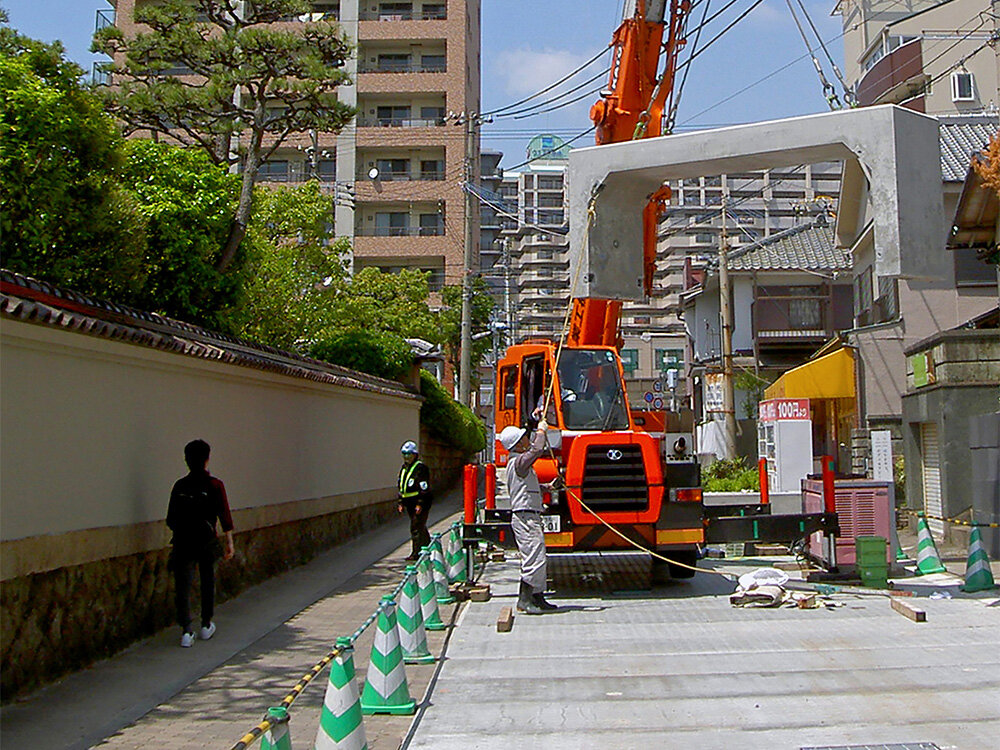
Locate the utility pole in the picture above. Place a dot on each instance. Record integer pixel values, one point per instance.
(726, 320)
(465, 353)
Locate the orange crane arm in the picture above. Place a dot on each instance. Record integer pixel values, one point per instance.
(632, 107)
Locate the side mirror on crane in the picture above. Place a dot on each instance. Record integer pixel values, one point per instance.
(510, 401)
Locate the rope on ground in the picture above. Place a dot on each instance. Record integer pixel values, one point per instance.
(269, 721)
(958, 521)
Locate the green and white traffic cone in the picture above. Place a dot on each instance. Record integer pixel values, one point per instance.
(277, 737)
(412, 634)
(456, 561)
(428, 594)
(978, 576)
(928, 560)
(340, 724)
(386, 691)
(440, 573)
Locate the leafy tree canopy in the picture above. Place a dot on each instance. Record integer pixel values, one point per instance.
(394, 302)
(379, 353)
(450, 322)
(65, 217)
(207, 72)
(294, 271)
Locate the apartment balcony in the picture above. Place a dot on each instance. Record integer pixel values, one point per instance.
(105, 18)
(800, 321)
(399, 13)
(895, 78)
(412, 66)
(403, 24)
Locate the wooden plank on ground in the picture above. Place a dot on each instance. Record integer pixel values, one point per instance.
(506, 620)
(908, 610)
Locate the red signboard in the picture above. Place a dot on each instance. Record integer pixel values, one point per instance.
(784, 408)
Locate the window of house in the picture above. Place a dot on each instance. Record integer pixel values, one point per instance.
(431, 169)
(804, 313)
(274, 170)
(431, 225)
(630, 360)
(886, 305)
(392, 223)
(392, 115)
(669, 359)
(962, 86)
(433, 63)
(435, 278)
(393, 62)
(863, 296)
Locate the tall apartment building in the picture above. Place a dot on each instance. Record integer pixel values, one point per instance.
(536, 247)
(403, 159)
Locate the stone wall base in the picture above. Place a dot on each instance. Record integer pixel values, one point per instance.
(59, 621)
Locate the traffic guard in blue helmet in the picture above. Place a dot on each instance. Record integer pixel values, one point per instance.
(415, 497)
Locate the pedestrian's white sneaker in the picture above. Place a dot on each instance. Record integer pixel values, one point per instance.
(208, 632)
(187, 640)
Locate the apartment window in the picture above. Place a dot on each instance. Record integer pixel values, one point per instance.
(431, 169)
(395, 11)
(435, 11)
(545, 273)
(433, 63)
(669, 359)
(550, 201)
(431, 225)
(550, 182)
(274, 170)
(392, 224)
(393, 63)
(393, 169)
(704, 238)
(641, 320)
(432, 114)
(326, 11)
(545, 255)
(962, 86)
(630, 360)
(550, 217)
(327, 169)
(392, 116)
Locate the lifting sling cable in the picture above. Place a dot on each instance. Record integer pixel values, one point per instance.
(829, 92)
(848, 93)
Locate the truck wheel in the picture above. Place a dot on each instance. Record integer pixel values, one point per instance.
(687, 557)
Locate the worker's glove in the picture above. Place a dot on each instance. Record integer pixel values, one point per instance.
(543, 425)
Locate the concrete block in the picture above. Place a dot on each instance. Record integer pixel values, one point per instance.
(506, 620)
(908, 610)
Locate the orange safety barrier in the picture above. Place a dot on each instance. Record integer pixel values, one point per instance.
(765, 490)
(491, 486)
(469, 487)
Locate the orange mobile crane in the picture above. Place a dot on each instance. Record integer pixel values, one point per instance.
(616, 472)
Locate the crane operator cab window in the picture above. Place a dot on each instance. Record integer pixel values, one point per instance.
(534, 387)
(591, 388)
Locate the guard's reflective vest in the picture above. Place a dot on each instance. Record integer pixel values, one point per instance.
(407, 484)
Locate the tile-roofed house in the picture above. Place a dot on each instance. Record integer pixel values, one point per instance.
(805, 247)
(962, 136)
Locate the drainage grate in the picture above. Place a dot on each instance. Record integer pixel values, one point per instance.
(894, 746)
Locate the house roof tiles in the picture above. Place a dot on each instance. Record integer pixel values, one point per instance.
(962, 136)
(808, 247)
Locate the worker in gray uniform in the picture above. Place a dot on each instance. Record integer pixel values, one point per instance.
(526, 513)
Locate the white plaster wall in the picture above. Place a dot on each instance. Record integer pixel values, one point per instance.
(93, 432)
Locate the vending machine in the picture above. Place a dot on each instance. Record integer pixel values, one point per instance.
(784, 438)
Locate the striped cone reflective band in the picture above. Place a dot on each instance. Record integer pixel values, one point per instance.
(928, 560)
(277, 737)
(386, 691)
(340, 723)
(440, 574)
(410, 618)
(456, 569)
(978, 576)
(428, 595)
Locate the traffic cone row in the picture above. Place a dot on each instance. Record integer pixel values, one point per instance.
(440, 572)
(277, 737)
(456, 557)
(978, 576)
(928, 559)
(412, 634)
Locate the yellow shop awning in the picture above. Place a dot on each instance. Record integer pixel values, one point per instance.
(829, 376)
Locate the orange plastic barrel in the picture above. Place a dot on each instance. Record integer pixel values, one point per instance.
(491, 486)
(469, 491)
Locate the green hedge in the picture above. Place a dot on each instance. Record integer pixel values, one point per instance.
(448, 420)
(730, 475)
(382, 354)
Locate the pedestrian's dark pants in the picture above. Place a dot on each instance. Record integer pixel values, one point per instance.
(419, 535)
(183, 576)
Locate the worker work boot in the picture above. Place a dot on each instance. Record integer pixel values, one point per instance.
(542, 604)
(525, 601)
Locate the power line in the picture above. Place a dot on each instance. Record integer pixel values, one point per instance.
(549, 87)
(553, 99)
(718, 36)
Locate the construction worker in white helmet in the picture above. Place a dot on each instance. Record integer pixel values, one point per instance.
(526, 514)
(415, 497)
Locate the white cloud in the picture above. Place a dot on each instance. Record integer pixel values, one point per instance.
(525, 71)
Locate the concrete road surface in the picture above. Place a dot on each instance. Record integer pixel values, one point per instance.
(679, 667)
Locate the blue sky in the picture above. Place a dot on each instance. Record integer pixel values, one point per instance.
(528, 44)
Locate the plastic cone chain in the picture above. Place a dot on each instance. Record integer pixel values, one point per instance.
(410, 618)
(440, 574)
(978, 576)
(277, 737)
(386, 691)
(928, 560)
(428, 596)
(340, 723)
